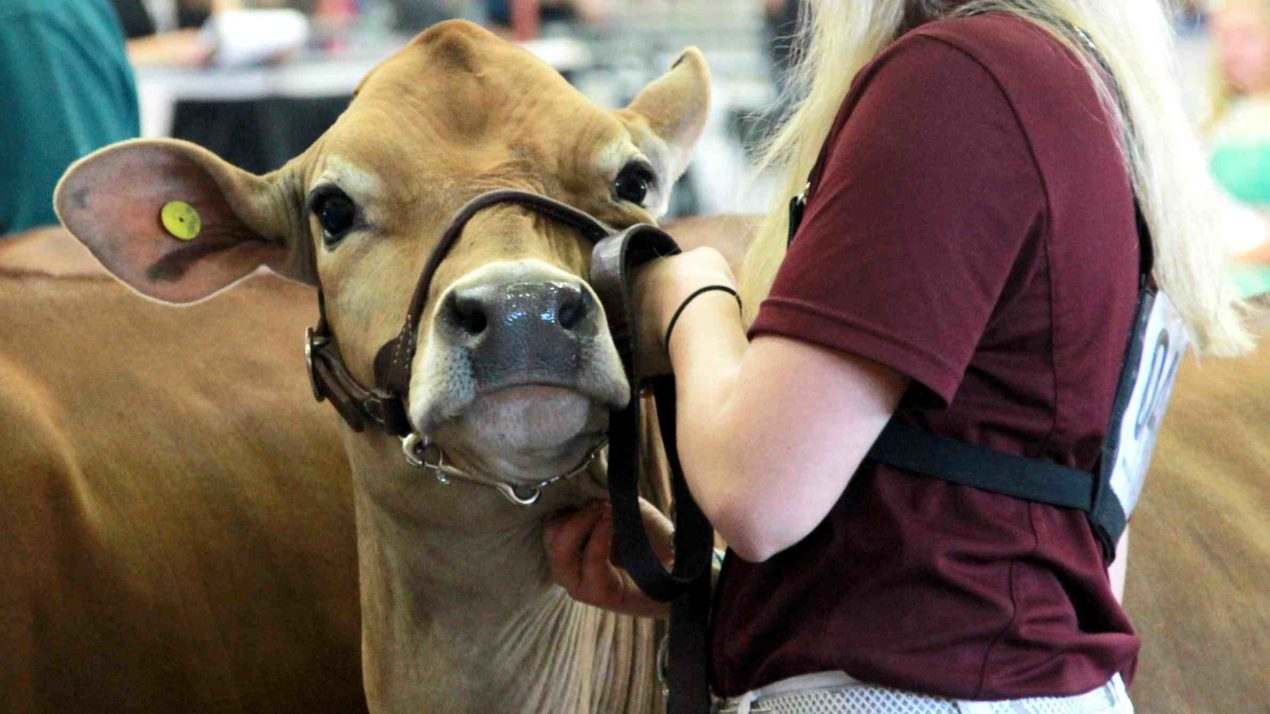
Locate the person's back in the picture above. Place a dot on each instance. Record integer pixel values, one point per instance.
(68, 91)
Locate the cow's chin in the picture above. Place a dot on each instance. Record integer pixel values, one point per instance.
(528, 432)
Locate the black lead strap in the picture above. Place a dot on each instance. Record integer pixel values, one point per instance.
(687, 586)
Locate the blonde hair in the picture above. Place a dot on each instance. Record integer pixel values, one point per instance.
(1220, 94)
(1167, 164)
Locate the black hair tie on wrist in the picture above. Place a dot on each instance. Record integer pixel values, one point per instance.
(699, 291)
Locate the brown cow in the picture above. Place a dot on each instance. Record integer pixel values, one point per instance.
(516, 371)
(1198, 587)
(177, 528)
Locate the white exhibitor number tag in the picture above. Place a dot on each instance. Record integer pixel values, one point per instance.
(1163, 345)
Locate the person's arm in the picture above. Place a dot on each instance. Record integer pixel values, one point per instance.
(897, 268)
(769, 432)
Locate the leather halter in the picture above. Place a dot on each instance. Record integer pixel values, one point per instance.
(384, 405)
(615, 258)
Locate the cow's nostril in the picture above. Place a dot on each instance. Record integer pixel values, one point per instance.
(573, 309)
(469, 314)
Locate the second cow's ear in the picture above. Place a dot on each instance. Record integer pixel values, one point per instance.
(179, 224)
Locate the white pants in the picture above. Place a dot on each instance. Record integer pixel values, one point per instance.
(837, 693)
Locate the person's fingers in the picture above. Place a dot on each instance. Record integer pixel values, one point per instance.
(578, 550)
(597, 574)
(565, 536)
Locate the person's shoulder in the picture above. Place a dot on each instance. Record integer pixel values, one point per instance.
(1006, 45)
(1044, 82)
(923, 77)
(1002, 48)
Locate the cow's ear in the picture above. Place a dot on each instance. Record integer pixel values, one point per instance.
(179, 224)
(675, 106)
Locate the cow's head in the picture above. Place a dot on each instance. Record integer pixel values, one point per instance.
(515, 371)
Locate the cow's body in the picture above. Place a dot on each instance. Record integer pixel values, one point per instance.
(176, 532)
(126, 585)
(1199, 560)
(133, 583)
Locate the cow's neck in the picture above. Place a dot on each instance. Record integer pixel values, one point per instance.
(459, 613)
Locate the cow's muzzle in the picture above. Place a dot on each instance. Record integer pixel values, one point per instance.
(520, 332)
(384, 405)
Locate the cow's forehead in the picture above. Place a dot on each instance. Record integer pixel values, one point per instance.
(460, 104)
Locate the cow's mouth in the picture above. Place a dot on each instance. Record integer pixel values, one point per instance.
(533, 418)
(518, 373)
(525, 432)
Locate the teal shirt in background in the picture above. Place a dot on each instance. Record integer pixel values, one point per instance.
(1242, 167)
(68, 90)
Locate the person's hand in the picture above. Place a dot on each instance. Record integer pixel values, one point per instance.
(661, 287)
(578, 548)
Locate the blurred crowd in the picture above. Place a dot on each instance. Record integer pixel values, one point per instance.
(1238, 131)
(167, 31)
(212, 35)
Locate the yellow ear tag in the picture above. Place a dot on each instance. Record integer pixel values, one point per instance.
(181, 220)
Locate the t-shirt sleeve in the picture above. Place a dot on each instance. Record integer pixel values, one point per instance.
(926, 198)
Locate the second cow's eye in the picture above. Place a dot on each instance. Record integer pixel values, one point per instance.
(336, 212)
(633, 183)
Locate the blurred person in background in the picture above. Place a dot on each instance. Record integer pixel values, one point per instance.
(413, 16)
(499, 13)
(174, 40)
(214, 38)
(1239, 127)
(68, 91)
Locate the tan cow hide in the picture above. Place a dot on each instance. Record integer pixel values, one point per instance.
(176, 517)
(1198, 588)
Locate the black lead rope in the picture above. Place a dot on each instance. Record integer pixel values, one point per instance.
(614, 263)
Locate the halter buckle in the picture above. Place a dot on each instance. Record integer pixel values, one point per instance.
(421, 453)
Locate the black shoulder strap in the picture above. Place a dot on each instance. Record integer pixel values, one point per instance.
(920, 451)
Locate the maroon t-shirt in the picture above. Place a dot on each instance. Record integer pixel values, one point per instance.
(972, 227)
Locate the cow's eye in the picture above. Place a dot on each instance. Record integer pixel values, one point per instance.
(336, 212)
(633, 183)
